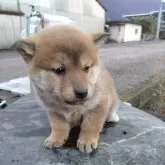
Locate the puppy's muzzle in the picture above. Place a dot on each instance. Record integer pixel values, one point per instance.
(81, 93)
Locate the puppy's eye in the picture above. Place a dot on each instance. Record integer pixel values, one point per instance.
(86, 68)
(59, 71)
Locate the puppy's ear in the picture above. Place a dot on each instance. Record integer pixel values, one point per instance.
(26, 48)
(99, 39)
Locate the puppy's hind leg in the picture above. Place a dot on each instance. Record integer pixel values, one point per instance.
(113, 116)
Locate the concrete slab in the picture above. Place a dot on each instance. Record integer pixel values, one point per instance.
(138, 139)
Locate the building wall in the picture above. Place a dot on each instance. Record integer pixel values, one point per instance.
(117, 32)
(9, 5)
(10, 30)
(126, 32)
(132, 32)
(89, 15)
(10, 25)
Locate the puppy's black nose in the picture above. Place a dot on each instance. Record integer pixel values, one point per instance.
(81, 93)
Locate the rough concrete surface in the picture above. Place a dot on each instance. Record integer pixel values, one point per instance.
(138, 139)
(11, 65)
(130, 63)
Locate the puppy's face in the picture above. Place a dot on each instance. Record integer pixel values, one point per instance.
(62, 61)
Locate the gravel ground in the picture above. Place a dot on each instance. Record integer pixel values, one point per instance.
(130, 64)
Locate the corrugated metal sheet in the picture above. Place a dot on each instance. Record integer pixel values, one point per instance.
(86, 13)
(89, 15)
(10, 30)
(87, 7)
(76, 6)
(97, 10)
(41, 3)
(88, 23)
(9, 5)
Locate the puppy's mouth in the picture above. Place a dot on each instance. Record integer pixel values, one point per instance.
(75, 102)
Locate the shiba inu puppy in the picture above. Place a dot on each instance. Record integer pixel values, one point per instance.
(70, 80)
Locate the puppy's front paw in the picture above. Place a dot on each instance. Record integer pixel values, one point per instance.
(54, 142)
(87, 144)
(114, 118)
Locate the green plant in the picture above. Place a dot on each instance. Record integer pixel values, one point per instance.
(148, 23)
(160, 94)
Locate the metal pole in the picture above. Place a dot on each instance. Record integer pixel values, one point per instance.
(27, 25)
(159, 20)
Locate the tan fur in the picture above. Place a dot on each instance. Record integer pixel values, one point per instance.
(74, 49)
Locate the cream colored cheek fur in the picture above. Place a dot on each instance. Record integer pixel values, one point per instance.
(43, 81)
(94, 74)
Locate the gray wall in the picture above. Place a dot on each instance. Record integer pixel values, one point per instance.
(88, 15)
